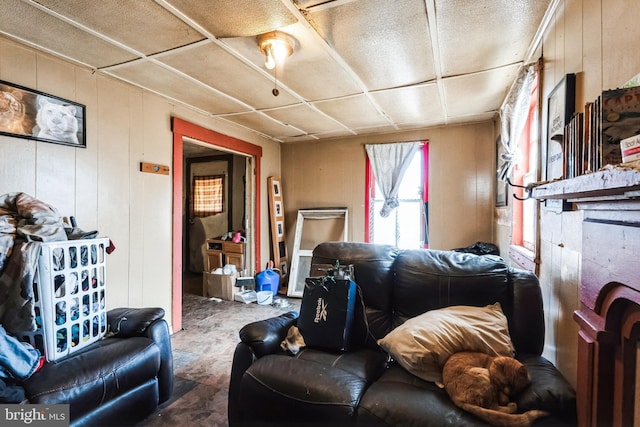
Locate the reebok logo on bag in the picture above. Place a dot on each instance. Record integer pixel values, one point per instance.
(321, 311)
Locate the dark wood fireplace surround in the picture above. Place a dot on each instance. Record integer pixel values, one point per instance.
(609, 314)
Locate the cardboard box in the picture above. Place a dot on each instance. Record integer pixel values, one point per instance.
(630, 148)
(219, 285)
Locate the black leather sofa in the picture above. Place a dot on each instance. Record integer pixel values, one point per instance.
(363, 387)
(116, 381)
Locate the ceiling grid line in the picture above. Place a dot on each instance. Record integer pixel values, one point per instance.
(360, 67)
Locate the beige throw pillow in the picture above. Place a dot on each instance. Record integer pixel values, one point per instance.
(422, 344)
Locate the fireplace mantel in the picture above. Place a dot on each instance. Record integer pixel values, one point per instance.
(609, 314)
(612, 184)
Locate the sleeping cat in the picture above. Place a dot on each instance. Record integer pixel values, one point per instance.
(57, 122)
(484, 385)
(12, 113)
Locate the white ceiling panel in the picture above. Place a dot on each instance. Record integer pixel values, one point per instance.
(485, 34)
(386, 43)
(235, 18)
(358, 67)
(19, 20)
(411, 104)
(461, 101)
(124, 21)
(215, 67)
(355, 112)
(305, 118)
(254, 120)
(160, 80)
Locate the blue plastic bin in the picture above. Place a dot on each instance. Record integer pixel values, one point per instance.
(268, 280)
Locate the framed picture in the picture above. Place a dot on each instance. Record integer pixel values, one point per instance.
(280, 228)
(30, 114)
(276, 188)
(501, 186)
(277, 208)
(560, 107)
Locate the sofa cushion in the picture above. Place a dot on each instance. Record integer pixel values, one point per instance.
(548, 391)
(315, 385)
(94, 376)
(424, 343)
(399, 398)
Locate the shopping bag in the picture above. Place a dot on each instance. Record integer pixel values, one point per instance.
(327, 312)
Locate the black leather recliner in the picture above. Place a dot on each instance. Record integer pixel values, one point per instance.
(363, 387)
(116, 381)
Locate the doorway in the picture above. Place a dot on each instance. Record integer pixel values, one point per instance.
(188, 134)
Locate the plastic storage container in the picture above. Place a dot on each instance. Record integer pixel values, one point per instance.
(268, 280)
(70, 293)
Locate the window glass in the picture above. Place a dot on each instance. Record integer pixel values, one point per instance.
(405, 226)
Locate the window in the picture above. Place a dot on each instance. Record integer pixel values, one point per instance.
(524, 235)
(208, 195)
(406, 226)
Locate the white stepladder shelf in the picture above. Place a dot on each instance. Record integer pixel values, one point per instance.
(301, 258)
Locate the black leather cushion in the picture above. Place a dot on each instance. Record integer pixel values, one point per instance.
(401, 399)
(429, 279)
(315, 387)
(96, 375)
(549, 390)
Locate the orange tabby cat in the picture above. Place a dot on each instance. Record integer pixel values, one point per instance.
(483, 385)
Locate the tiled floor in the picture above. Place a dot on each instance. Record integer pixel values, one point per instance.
(203, 352)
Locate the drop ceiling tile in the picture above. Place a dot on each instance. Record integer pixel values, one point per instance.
(57, 36)
(236, 18)
(375, 129)
(411, 104)
(214, 66)
(125, 20)
(387, 44)
(160, 80)
(299, 138)
(305, 118)
(485, 34)
(260, 123)
(464, 99)
(354, 112)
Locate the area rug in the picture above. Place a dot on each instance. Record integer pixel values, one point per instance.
(202, 352)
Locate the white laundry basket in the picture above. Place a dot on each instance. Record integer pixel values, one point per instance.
(70, 293)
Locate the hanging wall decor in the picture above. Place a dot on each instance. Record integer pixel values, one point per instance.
(29, 114)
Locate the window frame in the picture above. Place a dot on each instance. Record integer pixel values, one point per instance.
(524, 253)
(370, 186)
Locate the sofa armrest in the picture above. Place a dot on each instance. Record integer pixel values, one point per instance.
(257, 339)
(264, 336)
(146, 322)
(126, 322)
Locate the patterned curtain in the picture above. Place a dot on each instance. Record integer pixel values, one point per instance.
(389, 162)
(208, 195)
(513, 116)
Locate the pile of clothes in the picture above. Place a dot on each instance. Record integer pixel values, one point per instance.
(25, 223)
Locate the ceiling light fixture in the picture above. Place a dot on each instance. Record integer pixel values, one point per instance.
(276, 46)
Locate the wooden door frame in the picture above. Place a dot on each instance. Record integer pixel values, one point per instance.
(182, 129)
